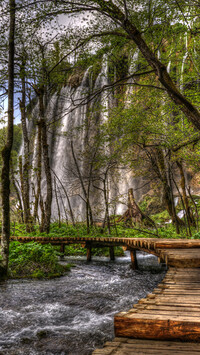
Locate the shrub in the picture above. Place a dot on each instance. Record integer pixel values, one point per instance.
(34, 260)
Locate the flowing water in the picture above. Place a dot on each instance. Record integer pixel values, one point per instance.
(72, 314)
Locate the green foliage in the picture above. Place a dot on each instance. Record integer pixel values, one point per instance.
(121, 230)
(34, 260)
(161, 217)
(80, 230)
(196, 235)
(17, 140)
(169, 232)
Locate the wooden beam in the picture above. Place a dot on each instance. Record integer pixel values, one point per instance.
(112, 253)
(134, 264)
(62, 250)
(89, 252)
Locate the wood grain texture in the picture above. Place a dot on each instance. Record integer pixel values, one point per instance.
(167, 313)
(123, 346)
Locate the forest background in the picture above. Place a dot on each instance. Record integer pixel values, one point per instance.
(152, 129)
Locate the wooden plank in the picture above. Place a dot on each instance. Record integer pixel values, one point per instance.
(145, 317)
(181, 313)
(176, 292)
(183, 286)
(185, 299)
(177, 244)
(157, 345)
(152, 351)
(156, 328)
(162, 343)
(105, 351)
(167, 307)
(179, 251)
(142, 348)
(165, 302)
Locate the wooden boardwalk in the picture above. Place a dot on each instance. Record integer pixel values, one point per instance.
(172, 311)
(176, 253)
(166, 321)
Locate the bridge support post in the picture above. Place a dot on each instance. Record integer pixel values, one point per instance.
(112, 253)
(89, 252)
(62, 251)
(134, 264)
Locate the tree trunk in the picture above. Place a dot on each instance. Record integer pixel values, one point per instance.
(42, 214)
(163, 171)
(58, 207)
(38, 173)
(107, 215)
(68, 200)
(42, 130)
(26, 165)
(6, 152)
(134, 210)
(189, 215)
(17, 192)
(47, 169)
(133, 213)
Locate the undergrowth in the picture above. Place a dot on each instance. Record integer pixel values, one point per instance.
(34, 260)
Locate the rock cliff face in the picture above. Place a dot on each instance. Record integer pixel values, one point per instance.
(70, 129)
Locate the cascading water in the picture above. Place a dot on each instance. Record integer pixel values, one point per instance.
(69, 120)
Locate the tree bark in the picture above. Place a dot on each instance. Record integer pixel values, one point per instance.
(133, 214)
(58, 207)
(42, 130)
(47, 169)
(107, 215)
(26, 164)
(68, 200)
(6, 152)
(161, 168)
(17, 191)
(38, 173)
(189, 215)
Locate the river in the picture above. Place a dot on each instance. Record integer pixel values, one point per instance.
(71, 315)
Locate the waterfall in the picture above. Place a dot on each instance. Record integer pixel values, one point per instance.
(73, 115)
(74, 120)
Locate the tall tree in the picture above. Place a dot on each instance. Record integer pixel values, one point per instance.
(25, 184)
(6, 152)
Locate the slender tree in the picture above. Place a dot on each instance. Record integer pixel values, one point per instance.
(25, 184)
(6, 152)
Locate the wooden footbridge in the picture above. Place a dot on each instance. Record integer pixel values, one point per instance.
(174, 252)
(167, 321)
